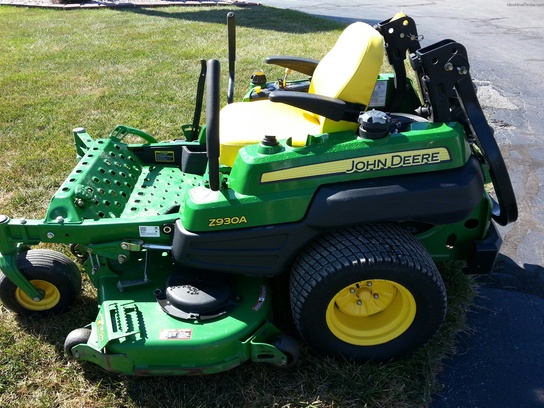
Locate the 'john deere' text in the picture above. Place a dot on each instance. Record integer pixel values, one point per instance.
(396, 160)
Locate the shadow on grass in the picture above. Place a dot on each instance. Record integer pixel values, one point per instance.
(256, 17)
(54, 329)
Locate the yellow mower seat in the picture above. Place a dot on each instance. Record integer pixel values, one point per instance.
(347, 72)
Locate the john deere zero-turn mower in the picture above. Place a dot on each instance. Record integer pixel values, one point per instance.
(348, 183)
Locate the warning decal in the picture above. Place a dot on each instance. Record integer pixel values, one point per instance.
(162, 156)
(176, 334)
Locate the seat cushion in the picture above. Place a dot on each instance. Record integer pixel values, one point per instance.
(246, 123)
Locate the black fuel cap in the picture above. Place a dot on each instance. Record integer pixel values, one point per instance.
(374, 124)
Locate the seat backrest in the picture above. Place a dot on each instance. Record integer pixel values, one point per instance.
(349, 70)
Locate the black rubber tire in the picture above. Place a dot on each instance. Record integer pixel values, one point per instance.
(74, 338)
(288, 346)
(56, 270)
(384, 252)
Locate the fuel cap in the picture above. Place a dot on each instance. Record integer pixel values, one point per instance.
(374, 124)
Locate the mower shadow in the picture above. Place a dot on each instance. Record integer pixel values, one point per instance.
(503, 348)
(508, 275)
(256, 17)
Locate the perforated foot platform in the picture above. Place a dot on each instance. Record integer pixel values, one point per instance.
(110, 181)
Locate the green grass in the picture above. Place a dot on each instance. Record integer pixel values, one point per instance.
(139, 67)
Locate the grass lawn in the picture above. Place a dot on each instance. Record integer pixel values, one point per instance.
(139, 67)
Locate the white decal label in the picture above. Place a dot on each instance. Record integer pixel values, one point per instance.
(175, 334)
(150, 232)
(379, 95)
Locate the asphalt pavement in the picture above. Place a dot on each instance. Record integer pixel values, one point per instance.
(501, 362)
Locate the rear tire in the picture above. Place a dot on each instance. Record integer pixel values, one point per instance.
(369, 292)
(52, 273)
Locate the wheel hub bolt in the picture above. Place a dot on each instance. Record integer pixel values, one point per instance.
(359, 303)
(369, 284)
(352, 290)
(376, 296)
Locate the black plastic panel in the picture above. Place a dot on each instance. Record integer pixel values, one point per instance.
(433, 198)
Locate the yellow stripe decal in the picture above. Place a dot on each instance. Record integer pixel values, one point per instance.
(363, 164)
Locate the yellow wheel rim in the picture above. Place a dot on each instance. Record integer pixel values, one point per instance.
(371, 312)
(51, 296)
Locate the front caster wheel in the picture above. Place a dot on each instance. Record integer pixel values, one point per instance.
(52, 273)
(288, 346)
(74, 338)
(368, 293)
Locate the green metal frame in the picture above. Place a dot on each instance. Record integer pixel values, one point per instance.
(112, 199)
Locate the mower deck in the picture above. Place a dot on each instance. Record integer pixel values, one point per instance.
(142, 339)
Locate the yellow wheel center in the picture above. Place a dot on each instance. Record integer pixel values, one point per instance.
(364, 294)
(371, 312)
(51, 296)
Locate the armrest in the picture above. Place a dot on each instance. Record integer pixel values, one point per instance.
(332, 108)
(304, 65)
